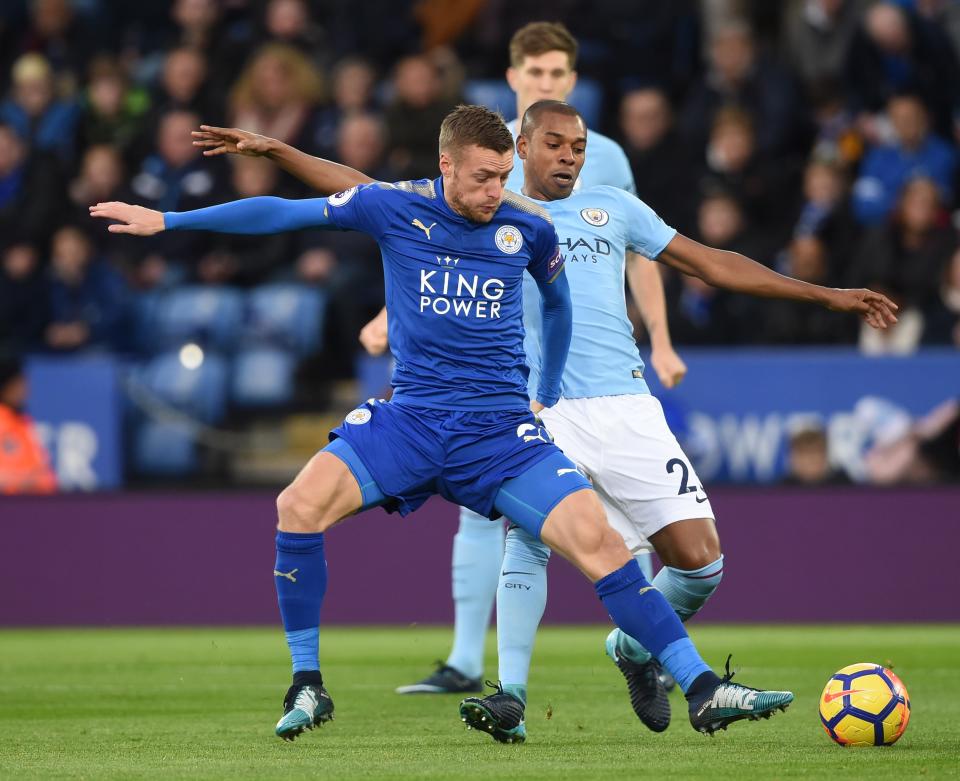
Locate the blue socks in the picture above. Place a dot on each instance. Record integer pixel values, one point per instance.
(686, 591)
(300, 575)
(521, 600)
(477, 553)
(642, 612)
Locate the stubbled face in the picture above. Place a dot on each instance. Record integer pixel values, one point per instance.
(474, 179)
(553, 156)
(547, 76)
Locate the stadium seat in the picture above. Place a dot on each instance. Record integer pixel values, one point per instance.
(263, 377)
(208, 315)
(285, 315)
(164, 450)
(200, 393)
(495, 94)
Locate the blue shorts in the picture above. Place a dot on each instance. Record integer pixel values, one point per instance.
(495, 463)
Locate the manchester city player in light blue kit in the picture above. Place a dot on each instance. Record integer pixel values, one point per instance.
(607, 420)
(455, 250)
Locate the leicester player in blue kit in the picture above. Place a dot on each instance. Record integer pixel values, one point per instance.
(543, 59)
(454, 251)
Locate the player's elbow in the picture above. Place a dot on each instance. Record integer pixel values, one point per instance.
(710, 267)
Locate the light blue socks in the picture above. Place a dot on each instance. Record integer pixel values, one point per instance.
(477, 553)
(521, 600)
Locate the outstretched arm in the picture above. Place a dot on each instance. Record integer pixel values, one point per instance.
(324, 176)
(646, 287)
(263, 214)
(733, 271)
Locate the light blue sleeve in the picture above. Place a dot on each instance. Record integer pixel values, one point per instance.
(646, 233)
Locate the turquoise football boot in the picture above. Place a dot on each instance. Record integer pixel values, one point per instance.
(499, 714)
(304, 707)
(730, 702)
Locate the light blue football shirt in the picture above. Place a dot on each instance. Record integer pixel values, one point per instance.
(596, 227)
(606, 163)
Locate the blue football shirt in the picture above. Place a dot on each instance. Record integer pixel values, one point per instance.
(605, 163)
(454, 290)
(596, 228)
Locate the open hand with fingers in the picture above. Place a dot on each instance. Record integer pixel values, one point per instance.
(230, 140)
(875, 308)
(135, 220)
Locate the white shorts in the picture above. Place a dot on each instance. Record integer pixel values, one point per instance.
(639, 471)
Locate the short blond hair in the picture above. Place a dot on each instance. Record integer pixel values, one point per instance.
(474, 125)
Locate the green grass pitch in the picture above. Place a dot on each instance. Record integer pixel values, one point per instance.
(202, 703)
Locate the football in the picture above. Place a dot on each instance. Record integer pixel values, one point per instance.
(865, 705)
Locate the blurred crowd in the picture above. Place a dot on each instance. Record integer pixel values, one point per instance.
(817, 136)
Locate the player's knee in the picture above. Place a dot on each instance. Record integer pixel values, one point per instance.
(688, 545)
(598, 539)
(299, 515)
(701, 556)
